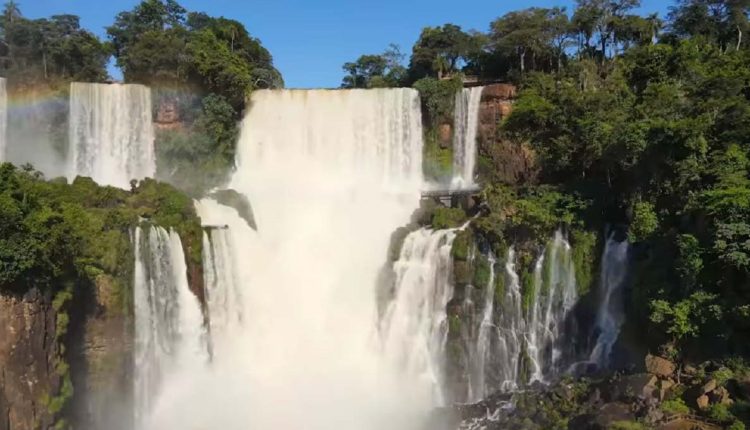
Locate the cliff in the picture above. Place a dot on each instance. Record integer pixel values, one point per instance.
(500, 158)
(28, 351)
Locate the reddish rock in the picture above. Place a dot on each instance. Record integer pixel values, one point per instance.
(499, 91)
(445, 135)
(659, 366)
(702, 402)
(709, 386)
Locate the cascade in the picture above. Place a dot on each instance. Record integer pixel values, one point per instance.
(414, 326)
(168, 318)
(611, 314)
(3, 119)
(482, 348)
(330, 175)
(555, 295)
(507, 344)
(465, 123)
(223, 293)
(111, 136)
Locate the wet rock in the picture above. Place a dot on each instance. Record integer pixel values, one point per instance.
(641, 386)
(239, 202)
(659, 366)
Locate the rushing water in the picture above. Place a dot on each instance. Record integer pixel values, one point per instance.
(168, 318)
(111, 135)
(611, 314)
(330, 174)
(465, 123)
(503, 342)
(414, 326)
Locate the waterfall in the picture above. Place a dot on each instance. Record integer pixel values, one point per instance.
(611, 314)
(330, 175)
(223, 286)
(111, 136)
(414, 326)
(481, 353)
(168, 318)
(555, 295)
(465, 123)
(3, 119)
(505, 344)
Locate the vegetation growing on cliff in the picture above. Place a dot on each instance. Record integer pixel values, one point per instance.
(55, 234)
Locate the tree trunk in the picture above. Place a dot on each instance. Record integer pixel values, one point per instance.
(739, 37)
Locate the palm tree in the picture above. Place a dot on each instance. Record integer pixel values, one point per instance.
(11, 11)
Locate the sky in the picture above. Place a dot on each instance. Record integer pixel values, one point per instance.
(311, 39)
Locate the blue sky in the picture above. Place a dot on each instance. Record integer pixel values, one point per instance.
(311, 39)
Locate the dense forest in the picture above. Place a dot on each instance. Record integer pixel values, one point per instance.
(635, 120)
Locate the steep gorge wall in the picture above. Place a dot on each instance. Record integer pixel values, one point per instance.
(502, 159)
(28, 351)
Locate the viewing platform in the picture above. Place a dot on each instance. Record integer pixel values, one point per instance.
(451, 197)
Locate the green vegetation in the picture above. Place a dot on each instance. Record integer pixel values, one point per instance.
(214, 63)
(675, 407)
(55, 234)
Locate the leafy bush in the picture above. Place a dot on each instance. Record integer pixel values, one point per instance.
(675, 406)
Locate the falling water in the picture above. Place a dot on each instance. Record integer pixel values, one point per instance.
(465, 123)
(505, 344)
(168, 319)
(111, 137)
(222, 286)
(555, 295)
(482, 350)
(330, 174)
(611, 314)
(414, 326)
(3, 119)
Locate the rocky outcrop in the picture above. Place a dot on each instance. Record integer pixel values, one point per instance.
(502, 159)
(28, 352)
(167, 115)
(102, 348)
(659, 366)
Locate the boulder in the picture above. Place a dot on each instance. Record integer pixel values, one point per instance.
(709, 386)
(720, 395)
(641, 386)
(659, 366)
(664, 388)
(702, 402)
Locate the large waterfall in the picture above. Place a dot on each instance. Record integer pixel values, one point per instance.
(3, 119)
(503, 342)
(414, 326)
(611, 314)
(465, 123)
(111, 135)
(168, 319)
(330, 175)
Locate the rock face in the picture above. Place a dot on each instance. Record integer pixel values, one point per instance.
(501, 159)
(102, 361)
(167, 115)
(659, 366)
(27, 356)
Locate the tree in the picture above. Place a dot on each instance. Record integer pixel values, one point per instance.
(372, 71)
(439, 51)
